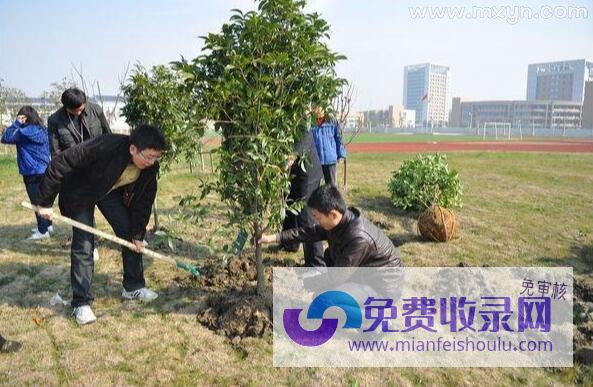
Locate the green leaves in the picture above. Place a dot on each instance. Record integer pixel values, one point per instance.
(256, 81)
(424, 181)
(159, 97)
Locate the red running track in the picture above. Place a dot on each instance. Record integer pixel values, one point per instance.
(498, 146)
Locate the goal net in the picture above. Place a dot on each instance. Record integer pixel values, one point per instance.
(497, 130)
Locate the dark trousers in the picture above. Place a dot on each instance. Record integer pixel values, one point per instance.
(81, 257)
(313, 252)
(301, 187)
(329, 173)
(32, 186)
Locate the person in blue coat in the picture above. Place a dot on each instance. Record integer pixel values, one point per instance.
(328, 141)
(32, 144)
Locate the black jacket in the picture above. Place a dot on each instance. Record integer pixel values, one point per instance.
(84, 174)
(354, 242)
(63, 134)
(304, 182)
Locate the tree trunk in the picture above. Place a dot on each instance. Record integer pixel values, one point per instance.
(259, 265)
(155, 215)
(345, 172)
(191, 168)
(211, 163)
(202, 161)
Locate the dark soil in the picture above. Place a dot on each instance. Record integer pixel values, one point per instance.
(232, 307)
(238, 315)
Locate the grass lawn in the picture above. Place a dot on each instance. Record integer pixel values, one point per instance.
(520, 209)
(407, 137)
(439, 137)
(212, 139)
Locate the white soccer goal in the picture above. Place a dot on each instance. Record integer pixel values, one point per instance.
(496, 129)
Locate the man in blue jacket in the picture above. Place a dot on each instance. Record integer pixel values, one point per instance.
(328, 141)
(32, 145)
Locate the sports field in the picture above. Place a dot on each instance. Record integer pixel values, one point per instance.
(520, 209)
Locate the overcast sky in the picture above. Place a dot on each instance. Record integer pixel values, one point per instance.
(488, 56)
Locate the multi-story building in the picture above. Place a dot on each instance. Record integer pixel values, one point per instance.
(426, 91)
(558, 81)
(455, 113)
(354, 121)
(403, 118)
(526, 114)
(395, 116)
(377, 118)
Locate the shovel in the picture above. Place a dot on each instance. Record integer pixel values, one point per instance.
(153, 254)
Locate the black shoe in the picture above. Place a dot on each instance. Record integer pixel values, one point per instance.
(10, 346)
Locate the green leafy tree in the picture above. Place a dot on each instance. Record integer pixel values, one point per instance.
(158, 97)
(257, 81)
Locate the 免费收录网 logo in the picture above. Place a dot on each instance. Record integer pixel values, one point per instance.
(316, 311)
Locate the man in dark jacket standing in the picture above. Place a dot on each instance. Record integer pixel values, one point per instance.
(117, 173)
(302, 183)
(76, 121)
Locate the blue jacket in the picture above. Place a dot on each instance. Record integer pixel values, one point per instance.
(32, 146)
(328, 142)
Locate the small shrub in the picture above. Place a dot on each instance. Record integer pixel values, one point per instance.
(424, 181)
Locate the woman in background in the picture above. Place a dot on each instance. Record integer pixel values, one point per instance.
(30, 137)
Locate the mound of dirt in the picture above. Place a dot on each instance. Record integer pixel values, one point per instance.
(231, 307)
(239, 274)
(238, 315)
(583, 288)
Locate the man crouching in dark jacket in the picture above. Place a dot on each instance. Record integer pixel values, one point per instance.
(353, 241)
(118, 173)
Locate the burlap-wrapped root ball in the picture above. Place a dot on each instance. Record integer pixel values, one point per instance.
(438, 224)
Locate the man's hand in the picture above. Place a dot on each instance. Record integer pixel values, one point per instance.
(340, 160)
(46, 213)
(267, 239)
(290, 162)
(139, 245)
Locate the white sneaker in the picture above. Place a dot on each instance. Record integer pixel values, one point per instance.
(84, 315)
(50, 229)
(143, 294)
(37, 235)
(95, 254)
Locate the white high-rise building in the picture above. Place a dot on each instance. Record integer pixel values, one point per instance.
(558, 81)
(426, 90)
